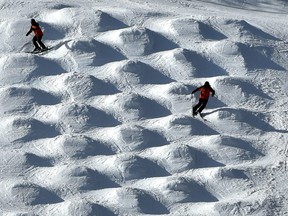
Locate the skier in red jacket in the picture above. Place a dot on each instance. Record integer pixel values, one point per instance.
(38, 34)
(205, 92)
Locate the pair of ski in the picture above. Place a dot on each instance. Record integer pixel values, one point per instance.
(40, 51)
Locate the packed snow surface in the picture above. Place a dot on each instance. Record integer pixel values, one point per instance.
(101, 124)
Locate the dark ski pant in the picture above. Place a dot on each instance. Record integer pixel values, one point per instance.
(37, 41)
(198, 108)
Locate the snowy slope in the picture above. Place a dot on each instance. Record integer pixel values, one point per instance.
(101, 124)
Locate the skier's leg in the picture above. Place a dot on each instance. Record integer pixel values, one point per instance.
(203, 105)
(39, 38)
(196, 107)
(35, 43)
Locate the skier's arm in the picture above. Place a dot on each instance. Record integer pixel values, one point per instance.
(212, 91)
(29, 32)
(197, 89)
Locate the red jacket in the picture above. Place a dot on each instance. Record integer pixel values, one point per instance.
(205, 92)
(36, 29)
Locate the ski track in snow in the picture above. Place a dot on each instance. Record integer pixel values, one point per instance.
(102, 125)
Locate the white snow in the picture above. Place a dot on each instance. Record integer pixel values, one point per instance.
(101, 124)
